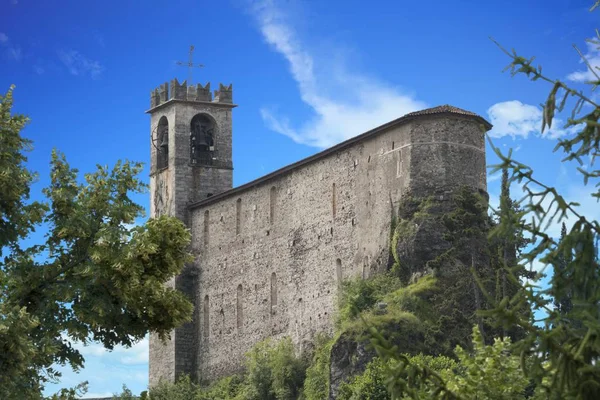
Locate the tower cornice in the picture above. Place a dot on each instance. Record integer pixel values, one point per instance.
(174, 101)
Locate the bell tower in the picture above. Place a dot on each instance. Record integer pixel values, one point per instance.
(191, 159)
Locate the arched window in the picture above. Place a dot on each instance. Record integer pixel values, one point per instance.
(202, 140)
(338, 271)
(240, 307)
(206, 225)
(272, 203)
(333, 200)
(273, 289)
(162, 143)
(238, 216)
(206, 317)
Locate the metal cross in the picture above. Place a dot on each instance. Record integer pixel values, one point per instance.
(190, 65)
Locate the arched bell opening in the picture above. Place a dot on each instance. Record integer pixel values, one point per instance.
(162, 143)
(202, 140)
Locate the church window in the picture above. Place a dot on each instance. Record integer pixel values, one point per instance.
(393, 145)
(240, 307)
(273, 289)
(338, 271)
(206, 317)
(238, 216)
(161, 143)
(272, 201)
(333, 201)
(202, 140)
(206, 225)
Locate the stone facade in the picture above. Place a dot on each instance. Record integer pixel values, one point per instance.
(270, 254)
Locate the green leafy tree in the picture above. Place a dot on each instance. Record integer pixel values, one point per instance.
(559, 359)
(95, 277)
(273, 371)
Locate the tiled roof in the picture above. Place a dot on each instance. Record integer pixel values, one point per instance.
(446, 108)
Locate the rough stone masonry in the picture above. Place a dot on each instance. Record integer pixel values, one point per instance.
(270, 255)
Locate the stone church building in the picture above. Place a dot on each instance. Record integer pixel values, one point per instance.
(270, 254)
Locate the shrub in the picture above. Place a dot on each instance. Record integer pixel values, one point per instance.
(316, 385)
(183, 389)
(273, 372)
(362, 294)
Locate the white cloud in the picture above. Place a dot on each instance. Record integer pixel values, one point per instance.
(137, 354)
(344, 104)
(80, 65)
(39, 69)
(11, 52)
(93, 349)
(495, 177)
(97, 395)
(593, 57)
(513, 118)
(14, 53)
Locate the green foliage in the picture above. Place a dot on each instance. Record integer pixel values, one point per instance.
(228, 388)
(563, 348)
(273, 371)
(403, 230)
(316, 385)
(486, 372)
(489, 372)
(68, 394)
(359, 294)
(563, 301)
(127, 394)
(95, 276)
(183, 389)
(557, 358)
(412, 213)
(368, 386)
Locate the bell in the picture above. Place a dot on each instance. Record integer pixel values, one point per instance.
(201, 140)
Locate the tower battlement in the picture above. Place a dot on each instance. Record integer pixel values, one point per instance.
(181, 91)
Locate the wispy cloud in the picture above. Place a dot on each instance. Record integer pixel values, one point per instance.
(513, 118)
(139, 353)
(98, 38)
(136, 354)
(80, 65)
(593, 57)
(344, 103)
(11, 51)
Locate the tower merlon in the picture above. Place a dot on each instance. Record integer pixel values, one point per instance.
(198, 93)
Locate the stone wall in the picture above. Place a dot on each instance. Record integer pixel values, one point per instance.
(177, 186)
(270, 255)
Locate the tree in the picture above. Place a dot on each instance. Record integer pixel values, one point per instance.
(561, 360)
(563, 304)
(467, 225)
(96, 277)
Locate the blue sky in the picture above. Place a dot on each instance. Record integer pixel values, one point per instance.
(306, 74)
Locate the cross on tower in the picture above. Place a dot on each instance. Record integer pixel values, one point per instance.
(190, 65)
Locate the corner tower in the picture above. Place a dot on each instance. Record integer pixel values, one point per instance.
(191, 159)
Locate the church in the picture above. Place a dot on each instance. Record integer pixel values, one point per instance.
(270, 255)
